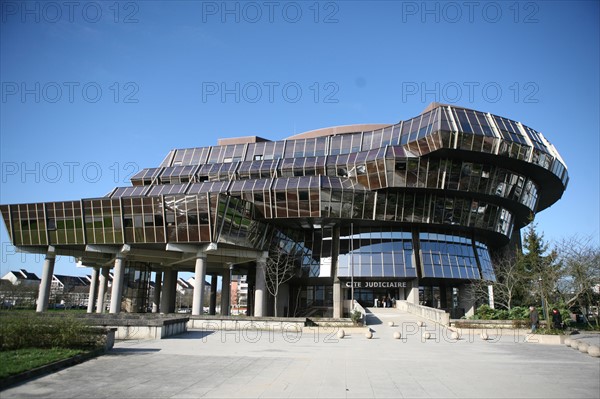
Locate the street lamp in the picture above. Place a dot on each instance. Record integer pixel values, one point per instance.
(352, 266)
(542, 296)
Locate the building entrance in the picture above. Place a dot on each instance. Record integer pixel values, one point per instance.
(371, 297)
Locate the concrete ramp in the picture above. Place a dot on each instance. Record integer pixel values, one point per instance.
(377, 316)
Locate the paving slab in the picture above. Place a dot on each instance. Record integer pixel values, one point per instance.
(315, 363)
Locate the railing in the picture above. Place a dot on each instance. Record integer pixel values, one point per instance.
(436, 315)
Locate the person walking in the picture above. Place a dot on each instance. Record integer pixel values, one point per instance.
(556, 319)
(534, 318)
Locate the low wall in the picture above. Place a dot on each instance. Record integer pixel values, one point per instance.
(108, 338)
(546, 339)
(494, 324)
(129, 327)
(435, 315)
(330, 322)
(208, 323)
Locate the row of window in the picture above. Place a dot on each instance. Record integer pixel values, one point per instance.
(190, 218)
(476, 131)
(374, 252)
(446, 174)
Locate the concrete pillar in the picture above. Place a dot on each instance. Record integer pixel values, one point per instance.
(47, 273)
(443, 296)
(337, 299)
(466, 300)
(213, 295)
(260, 289)
(283, 297)
(117, 285)
(173, 290)
(226, 292)
(199, 276)
(157, 290)
(412, 291)
(491, 296)
(93, 290)
(337, 286)
(102, 287)
(167, 300)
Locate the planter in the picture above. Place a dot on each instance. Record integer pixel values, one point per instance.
(546, 339)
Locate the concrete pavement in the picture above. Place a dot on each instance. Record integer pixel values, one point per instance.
(315, 363)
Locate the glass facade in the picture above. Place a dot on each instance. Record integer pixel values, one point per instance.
(426, 198)
(377, 254)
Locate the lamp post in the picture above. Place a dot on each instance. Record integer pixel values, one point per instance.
(544, 312)
(352, 266)
(230, 293)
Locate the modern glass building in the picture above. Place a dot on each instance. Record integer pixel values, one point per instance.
(412, 211)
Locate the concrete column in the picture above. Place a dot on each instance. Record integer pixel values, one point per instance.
(443, 296)
(226, 292)
(157, 289)
(338, 303)
(173, 290)
(466, 300)
(412, 291)
(260, 289)
(47, 273)
(93, 290)
(491, 296)
(167, 300)
(283, 297)
(199, 276)
(117, 286)
(102, 287)
(213, 295)
(337, 299)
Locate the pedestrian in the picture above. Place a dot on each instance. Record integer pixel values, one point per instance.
(534, 318)
(556, 319)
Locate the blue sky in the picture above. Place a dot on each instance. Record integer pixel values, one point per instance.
(92, 91)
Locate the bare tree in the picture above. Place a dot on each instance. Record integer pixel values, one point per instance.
(509, 283)
(580, 262)
(280, 267)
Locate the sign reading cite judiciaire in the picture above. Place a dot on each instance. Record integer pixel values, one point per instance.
(377, 284)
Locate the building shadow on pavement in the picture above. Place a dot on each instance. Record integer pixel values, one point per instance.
(193, 335)
(130, 351)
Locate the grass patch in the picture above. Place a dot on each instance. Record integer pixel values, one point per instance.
(20, 330)
(19, 360)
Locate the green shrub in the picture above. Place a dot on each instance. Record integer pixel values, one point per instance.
(37, 331)
(484, 312)
(356, 316)
(518, 313)
(501, 314)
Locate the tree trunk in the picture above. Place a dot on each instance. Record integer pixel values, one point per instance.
(275, 312)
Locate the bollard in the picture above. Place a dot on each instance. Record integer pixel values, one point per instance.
(594, 351)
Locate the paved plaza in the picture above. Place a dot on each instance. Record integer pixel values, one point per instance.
(316, 363)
